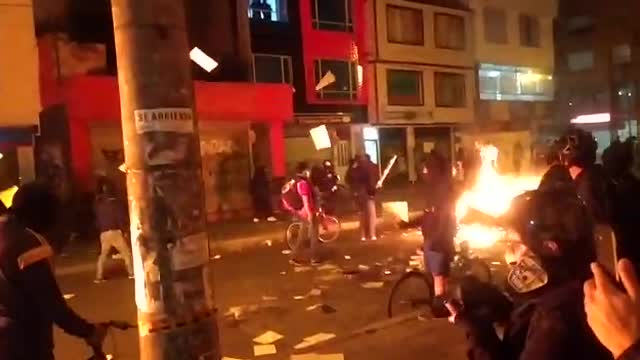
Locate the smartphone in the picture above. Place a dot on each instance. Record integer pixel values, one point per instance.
(606, 250)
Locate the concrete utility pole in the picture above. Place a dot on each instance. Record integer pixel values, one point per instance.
(176, 314)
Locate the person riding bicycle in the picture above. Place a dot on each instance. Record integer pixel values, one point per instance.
(438, 225)
(548, 229)
(299, 199)
(30, 299)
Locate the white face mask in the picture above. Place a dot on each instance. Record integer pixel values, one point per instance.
(527, 275)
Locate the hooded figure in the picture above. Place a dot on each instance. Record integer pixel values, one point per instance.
(551, 246)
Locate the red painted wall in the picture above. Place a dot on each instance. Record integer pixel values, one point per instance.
(333, 45)
(90, 99)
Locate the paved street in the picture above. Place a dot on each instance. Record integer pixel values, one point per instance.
(264, 292)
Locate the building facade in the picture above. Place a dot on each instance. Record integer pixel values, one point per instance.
(19, 90)
(514, 55)
(318, 48)
(598, 67)
(423, 80)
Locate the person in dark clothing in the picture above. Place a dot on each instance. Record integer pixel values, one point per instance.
(363, 177)
(578, 153)
(111, 221)
(260, 189)
(439, 223)
(548, 230)
(30, 299)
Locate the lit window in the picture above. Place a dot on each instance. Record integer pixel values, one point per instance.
(404, 87)
(333, 15)
(450, 32)
(510, 83)
(579, 61)
(345, 86)
(272, 69)
(450, 90)
(405, 25)
(268, 10)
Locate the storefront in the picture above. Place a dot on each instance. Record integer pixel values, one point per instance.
(225, 114)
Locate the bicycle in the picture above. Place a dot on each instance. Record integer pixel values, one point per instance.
(98, 352)
(328, 229)
(413, 292)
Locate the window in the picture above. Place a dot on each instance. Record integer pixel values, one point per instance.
(621, 54)
(345, 86)
(333, 15)
(581, 60)
(511, 83)
(529, 31)
(268, 10)
(450, 31)
(450, 90)
(405, 25)
(404, 87)
(271, 69)
(495, 26)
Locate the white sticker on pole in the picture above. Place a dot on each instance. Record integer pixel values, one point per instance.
(320, 137)
(178, 120)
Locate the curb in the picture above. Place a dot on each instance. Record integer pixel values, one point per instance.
(227, 245)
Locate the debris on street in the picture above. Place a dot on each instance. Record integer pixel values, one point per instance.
(286, 251)
(373, 285)
(269, 298)
(314, 339)
(315, 292)
(347, 257)
(217, 257)
(313, 307)
(314, 356)
(269, 337)
(260, 350)
(69, 296)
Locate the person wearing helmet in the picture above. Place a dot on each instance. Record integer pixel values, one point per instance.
(548, 229)
(30, 299)
(577, 151)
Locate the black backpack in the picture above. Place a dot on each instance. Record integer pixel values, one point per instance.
(290, 195)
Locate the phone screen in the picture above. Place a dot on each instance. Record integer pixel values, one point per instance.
(606, 249)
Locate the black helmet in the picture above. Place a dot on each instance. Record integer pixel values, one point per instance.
(577, 147)
(555, 214)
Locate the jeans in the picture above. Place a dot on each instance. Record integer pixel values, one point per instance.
(109, 239)
(308, 231)
(367, 211)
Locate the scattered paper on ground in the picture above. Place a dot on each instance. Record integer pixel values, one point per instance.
(314, 339)
(230, 358)
(315, 292)
(268, 243)
(269, 298)
(387, 272)
(313, 356)
(327, 267)
(269, 337)
(217, 257)
(69, 296)
(259, 350)
(283, 273)
(286, 251)
(301, 268)
(373, 285)
(363, 267)
(313, 307)
(347, 257)
(298, 297)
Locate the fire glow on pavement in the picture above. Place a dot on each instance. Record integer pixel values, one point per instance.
(492, 195)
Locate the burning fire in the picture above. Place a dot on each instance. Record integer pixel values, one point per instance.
(491, 194)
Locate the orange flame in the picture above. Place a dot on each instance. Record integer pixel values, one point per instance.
(491, 194)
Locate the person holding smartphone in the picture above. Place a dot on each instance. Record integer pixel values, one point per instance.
(548, 229)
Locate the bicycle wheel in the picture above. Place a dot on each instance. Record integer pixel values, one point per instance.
(292, 233)
(413, 292)
(479, 269)
(328, 229)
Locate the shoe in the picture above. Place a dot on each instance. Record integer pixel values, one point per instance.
(374, 238)
(271, 219)
(296, 262)
(256, 220)
(363, 239)
(98, 281)
(438, 309)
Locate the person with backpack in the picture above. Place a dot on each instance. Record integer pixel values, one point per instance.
(298, 198)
